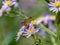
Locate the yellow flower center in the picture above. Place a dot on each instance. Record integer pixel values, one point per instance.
(34, 22)
(31, 30)
(57, 4)
(52, 17)
(9, 3)
(23, 26)
(42, 18)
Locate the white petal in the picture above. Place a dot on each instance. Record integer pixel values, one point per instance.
(39, 21)
(56, 10)
(50, 4)
(59, 8)
(28, 35)
(1, 12)
(14, 0)
(25, 34)
(36, 30)
(4, 7)
(51, 8)
(16, 5)
(13, 3)
(17, 38)
(8, 9)
(56, 0)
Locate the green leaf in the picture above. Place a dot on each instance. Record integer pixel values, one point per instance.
(9, 38)
(8, 27)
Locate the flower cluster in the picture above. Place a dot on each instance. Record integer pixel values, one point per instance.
(45, 19)
(54, 6)
(29, 27)
(6, 7)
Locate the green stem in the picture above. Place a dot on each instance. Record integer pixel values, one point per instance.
(58, 27)
(37, 39)
(48, 31)
(20, 14)
(34, 38)
(53, 40)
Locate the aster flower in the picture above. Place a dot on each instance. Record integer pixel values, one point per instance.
(52, 18)
(27, 31)
(10, 2)
(20, 33)
(54, 6)
(47, 22)
(6, 7)
(49, 19)
(45, 19)
(40, 19)
(28, 28)
(31, 31)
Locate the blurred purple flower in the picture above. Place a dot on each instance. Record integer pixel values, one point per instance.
(27, 31)
(31, 31)
(6, 6)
